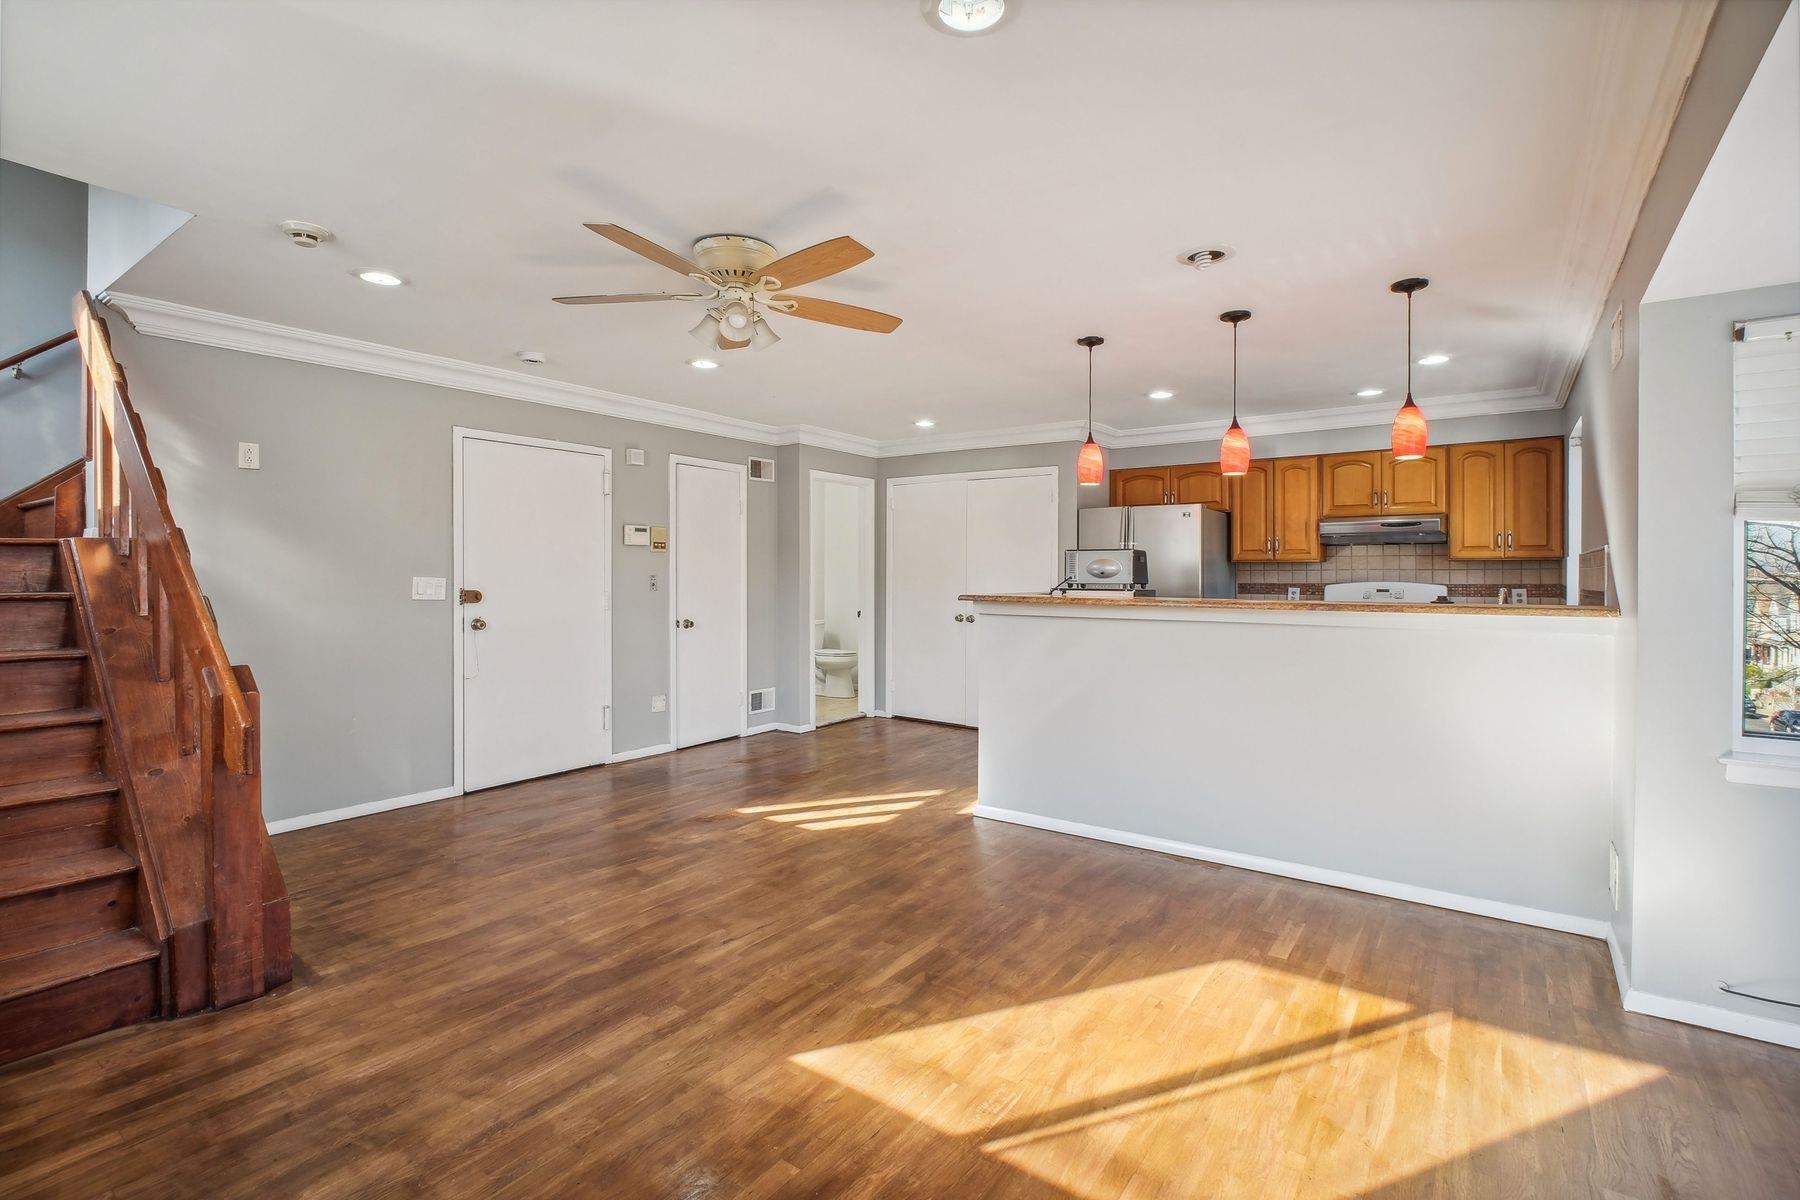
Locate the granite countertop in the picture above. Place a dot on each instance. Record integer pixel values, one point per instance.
(1117, 600)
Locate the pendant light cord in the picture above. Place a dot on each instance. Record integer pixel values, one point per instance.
(1090, 351)
(1234, 329)
(1409, 356)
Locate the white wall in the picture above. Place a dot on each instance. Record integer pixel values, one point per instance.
(1717, 892)
(123, 229)
(42, 219)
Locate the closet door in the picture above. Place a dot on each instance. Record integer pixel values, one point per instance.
(927, 663)
(1012, 547)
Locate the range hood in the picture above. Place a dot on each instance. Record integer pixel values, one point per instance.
(1382, 531)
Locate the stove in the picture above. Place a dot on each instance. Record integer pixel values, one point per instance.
(1385, 593)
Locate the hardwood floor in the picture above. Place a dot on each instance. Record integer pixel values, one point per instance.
(789, 966)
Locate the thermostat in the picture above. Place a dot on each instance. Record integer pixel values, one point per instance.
(637, 535)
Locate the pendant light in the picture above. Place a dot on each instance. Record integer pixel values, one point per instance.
(1234, 450)
(1090, 464)
(1409, 437)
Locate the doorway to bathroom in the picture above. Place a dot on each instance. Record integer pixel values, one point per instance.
(841, 638)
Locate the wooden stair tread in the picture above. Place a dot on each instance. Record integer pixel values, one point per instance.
(48, 791)
(10, 656)
(4, 596)
(65, 964)
(41, 876)
(28, 541)
(52, 719)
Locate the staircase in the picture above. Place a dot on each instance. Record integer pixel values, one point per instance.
(136, 876)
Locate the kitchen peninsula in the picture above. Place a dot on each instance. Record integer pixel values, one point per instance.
(1455, 755)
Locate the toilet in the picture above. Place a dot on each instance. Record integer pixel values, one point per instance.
(837, 670)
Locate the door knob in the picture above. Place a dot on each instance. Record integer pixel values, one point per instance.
(477, 624)
(686, 624)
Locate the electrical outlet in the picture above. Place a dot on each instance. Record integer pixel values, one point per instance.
(1293, 593)
(249, 456)
(659, 704)
(1518, 596)
(653, 583)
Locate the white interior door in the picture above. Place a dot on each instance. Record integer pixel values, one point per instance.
(927, 625)
(537, 670)
(708, 599)
(1013, 547)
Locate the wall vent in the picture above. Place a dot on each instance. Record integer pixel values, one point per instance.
(762, 469)
(762, 700)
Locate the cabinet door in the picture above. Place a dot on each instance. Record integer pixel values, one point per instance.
(1200, 483)
(1351, 484)
(1252, 515)
(1296, 508)
(1140, 485)
(1414, 488)
(1477, 517)
(1534, 498)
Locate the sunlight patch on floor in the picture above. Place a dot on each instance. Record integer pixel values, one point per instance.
(838, 802)
(1227, 1079)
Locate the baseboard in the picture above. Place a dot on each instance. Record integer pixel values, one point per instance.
(1711, 1016)
(1517, 913)
(643, 752)
(1621, 972)
(330, 815)
(777, 727)
(880, 712)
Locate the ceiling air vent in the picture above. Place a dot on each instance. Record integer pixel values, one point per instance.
(762, 469)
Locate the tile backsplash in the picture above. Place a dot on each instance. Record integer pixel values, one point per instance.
(1469, 582)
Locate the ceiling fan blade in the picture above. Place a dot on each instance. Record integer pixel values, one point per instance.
(833, 313)
(632, 298)
(816, 262)
(650, 250)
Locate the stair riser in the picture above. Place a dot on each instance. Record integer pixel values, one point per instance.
(28, 569)
(36, 624)
(44, 831)
(43, 920)
(42, 685)
(72, 1011)
(57, 753)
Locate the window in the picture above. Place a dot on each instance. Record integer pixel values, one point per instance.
(1771, 630)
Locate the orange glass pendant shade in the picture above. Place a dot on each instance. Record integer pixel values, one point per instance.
(1409, 432)
(1234, 451)
(1090, 464)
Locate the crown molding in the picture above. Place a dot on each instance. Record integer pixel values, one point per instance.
(180, 322)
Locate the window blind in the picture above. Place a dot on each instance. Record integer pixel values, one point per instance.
(1766, 413)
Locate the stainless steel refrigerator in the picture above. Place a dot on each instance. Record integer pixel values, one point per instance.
(1188, 546)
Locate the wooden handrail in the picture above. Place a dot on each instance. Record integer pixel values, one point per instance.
(22, 356)
(215, 705)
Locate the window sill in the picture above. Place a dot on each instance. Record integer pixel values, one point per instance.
(1764, 770)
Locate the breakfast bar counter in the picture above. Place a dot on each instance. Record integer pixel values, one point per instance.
(1457, 755)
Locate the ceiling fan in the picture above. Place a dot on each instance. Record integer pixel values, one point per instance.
(744, 281)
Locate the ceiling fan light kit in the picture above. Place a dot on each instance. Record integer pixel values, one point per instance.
(966, 18)
(743, 281)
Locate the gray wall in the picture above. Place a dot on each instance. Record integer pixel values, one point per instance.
(43, 261)
(1717, 892)
(309, 560)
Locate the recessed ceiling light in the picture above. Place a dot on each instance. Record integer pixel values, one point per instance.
(1367, 392)
(1434, 360)
(703, 364)
(924, 422)
(1162, 394)
(965, 18)
(380, 278)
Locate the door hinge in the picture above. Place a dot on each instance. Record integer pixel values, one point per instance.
(606, 485)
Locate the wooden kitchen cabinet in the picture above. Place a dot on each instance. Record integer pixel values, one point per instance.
(1275, 512)
(1369, 483)
(1200, 483)
(1506, 499)
(1350, 484)
(1140, 485)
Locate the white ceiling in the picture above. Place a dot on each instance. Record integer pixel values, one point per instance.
(1019, 190)
(1742, 227)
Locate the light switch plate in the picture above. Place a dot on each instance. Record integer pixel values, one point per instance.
(634, 456)
(659, 704)
(428, 587)
(249, 456)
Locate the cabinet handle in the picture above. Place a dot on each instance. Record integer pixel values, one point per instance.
(960, 618)
(1374, 499)
(1278, 543)
(1496, 540)
(1384, 500)
(1509, 539)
